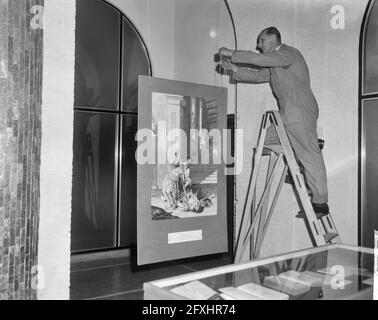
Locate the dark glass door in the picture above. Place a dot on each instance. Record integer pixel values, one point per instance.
(128, 187)
(94, 183)
(97, 54)
(110, 55)
(369, 128)
(369, 190)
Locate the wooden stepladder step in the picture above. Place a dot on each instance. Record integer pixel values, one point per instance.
(257, 213)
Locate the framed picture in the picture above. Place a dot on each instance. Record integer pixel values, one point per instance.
(181, 209)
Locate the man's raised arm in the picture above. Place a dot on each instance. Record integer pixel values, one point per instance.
(277, 58)
(246, 74)
(252, 76)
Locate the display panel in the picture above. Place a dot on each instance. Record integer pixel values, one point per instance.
(181, 170)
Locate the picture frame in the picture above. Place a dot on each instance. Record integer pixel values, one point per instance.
(181, 184)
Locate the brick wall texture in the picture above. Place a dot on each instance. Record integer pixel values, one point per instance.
(20, 145)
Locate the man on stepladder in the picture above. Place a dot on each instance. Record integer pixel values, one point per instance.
(286, 70)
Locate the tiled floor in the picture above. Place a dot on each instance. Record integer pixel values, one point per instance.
(120, 279)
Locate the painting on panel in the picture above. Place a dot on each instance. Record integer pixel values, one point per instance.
(186, 185)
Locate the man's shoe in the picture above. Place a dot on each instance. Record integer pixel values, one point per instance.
(321, 209)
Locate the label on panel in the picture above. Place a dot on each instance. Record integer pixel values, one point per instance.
(185, 236)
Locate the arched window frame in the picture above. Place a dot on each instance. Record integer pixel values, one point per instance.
(364, 96)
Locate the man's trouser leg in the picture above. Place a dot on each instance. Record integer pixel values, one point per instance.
(304, 141)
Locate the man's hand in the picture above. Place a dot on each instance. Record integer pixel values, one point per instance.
(226, 65)
(225, 52)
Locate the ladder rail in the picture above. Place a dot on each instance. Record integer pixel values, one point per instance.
(264, 212)
(246, 218)
(240, 252)
(270, 213)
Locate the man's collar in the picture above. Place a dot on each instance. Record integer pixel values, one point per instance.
(278, 48)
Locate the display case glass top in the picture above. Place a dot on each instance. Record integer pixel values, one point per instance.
(331, 272)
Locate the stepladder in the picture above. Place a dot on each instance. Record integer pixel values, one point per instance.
(274, 143)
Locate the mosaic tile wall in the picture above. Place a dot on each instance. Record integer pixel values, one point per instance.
(21, 45)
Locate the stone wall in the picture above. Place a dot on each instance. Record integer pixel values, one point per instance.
(21, 62)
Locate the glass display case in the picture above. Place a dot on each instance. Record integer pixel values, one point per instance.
(330, 272)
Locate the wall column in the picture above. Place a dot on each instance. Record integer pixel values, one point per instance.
(21, 62)
(54, 254)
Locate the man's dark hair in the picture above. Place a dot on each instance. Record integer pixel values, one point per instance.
(272, 30)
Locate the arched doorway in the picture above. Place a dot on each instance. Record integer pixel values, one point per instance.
(368, 189)
(110, 54)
